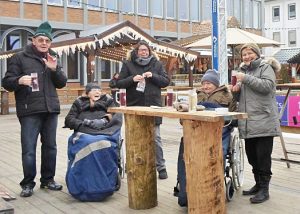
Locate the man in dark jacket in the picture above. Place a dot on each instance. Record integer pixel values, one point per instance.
(34, 75)
(143, 76)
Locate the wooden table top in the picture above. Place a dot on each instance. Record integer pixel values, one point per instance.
(209, 116)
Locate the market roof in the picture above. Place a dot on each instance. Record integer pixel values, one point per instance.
(203, 29)
(285, 54)
(295, 59)
(113, 42)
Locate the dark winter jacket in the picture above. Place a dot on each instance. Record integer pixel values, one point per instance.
(81, 110)
(28, 102)
(152, 93)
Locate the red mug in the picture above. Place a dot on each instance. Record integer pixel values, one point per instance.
(233, 77)
(122, 97)
(170, 97)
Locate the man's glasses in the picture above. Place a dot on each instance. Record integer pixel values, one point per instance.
(42, 41)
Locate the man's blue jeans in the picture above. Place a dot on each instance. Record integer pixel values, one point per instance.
(44, 124)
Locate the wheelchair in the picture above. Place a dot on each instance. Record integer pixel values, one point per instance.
(234, 164)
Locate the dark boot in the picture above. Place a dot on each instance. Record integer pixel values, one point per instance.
(263, 193)
(254, 189)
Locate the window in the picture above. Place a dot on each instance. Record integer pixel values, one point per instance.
(276, 36)
(72, 65)
(55, 2)
(33, 1)
(256, 15)
(183, 10)
(127, 6)
(247, 17)
(107, 69)
(142, 6)
(237, 9)
(74, 3)
(170, 9)
(13, 42)
(194, 10)
(94, 4)
(276, 14)
(292, 38)
(230, 7)
(157, 8)
(206, 9)
(111, 5)
(292, 11)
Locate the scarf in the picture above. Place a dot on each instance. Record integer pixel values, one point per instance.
(143, 61)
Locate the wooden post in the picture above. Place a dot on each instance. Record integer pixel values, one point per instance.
(140, 161)
(204, 166)
(4, 102)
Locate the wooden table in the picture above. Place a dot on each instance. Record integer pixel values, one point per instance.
(289, 87)
(202, 133)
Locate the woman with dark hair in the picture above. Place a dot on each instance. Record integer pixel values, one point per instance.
(143, 76)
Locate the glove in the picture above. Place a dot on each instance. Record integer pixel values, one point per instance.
(87, 122)
(98, 123)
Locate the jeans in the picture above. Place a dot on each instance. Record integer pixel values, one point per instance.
(44, 124)
(160, 161)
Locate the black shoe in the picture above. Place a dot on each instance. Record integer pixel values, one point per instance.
(162, 174)
(251, 191)
(51, 185)
(27, 191)
(261, 196)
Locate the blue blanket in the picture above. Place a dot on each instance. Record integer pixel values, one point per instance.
(92, 168)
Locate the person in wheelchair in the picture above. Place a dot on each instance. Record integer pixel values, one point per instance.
(88, 114)
(93, 148)
(212, 95)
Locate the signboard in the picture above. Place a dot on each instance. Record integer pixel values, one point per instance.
(294, 111)
(215, 36)
(284, 119)
(291, 115)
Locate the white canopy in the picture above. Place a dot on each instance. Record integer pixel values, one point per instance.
(234, 37)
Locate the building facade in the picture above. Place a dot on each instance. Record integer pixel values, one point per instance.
(165, 20)
(282, 23)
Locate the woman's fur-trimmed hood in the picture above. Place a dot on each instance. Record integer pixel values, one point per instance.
(271, 61)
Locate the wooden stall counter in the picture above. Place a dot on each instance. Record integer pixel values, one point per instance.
(202, 132)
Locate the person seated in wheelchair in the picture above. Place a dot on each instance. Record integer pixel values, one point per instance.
(213, 95)
(88, 113)
(93, 148)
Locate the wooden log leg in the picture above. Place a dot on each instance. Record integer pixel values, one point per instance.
(204, 166)
(140, 161)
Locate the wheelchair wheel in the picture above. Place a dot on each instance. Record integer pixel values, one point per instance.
(237, 159)
(229, 189)
(121, 158)
(118, 184)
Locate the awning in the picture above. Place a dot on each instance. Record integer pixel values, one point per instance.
(285, 54)
(113, 42)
